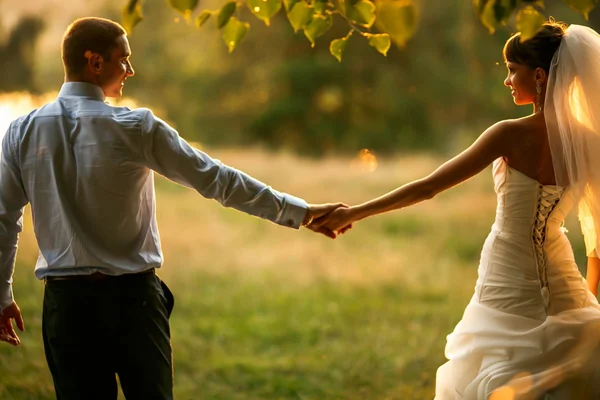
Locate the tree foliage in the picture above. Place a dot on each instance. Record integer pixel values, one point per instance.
(380, 22)
(529, 14)
(436, 94)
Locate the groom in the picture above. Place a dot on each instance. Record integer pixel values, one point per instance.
(86, 168)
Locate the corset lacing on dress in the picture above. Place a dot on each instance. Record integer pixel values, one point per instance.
(548, 198)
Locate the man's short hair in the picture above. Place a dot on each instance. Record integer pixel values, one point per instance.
(95, 34)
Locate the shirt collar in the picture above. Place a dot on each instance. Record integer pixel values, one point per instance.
(81, 89)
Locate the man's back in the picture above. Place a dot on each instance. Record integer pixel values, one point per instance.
(83, 169)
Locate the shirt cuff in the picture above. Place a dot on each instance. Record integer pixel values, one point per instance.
(6, 297)
(293, 212)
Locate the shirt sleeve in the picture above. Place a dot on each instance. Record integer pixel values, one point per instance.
(12, 201)
(170, 155)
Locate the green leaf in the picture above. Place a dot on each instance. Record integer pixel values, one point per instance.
(397, 18)
(381, 42)
(264, 9)
(318, 25)
(202, 18)
(361, 13)
(488, 17)
(183, 6)
(529, 21)
(503, 9)
(583, 6)
(337, 46)
(320, 6)
(233, 32)
(300, 15)
(491, 13)
(132, 15)
(289, 4)
(226, 12)
(479, 5)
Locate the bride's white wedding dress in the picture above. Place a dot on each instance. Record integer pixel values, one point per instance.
(531, 303)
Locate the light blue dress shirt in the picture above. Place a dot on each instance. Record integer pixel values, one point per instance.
(86, 168)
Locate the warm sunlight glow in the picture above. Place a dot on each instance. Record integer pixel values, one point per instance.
(123, 102)
(16, 104)
(196, 145)
(579, 108)
(365, 160)
(504, 393)
(330, 99)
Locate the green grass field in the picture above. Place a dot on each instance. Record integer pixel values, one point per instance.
(265, 312)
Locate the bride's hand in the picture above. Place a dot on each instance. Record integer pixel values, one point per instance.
(339, 220)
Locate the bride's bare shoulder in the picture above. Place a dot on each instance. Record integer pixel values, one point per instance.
(533, 121)
(520, 126)
(509, 127)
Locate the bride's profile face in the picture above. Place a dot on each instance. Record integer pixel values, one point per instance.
(521, 81)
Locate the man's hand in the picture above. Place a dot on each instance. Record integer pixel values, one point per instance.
(317, 211)
(7, 332)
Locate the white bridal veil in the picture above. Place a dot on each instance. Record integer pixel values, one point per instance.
(572, 112)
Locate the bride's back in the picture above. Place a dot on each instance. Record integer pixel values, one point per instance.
(530, 152)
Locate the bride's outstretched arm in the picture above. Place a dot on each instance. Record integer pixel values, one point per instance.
(492, 144)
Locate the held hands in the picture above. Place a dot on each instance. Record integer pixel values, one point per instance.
(316, 212)
(338, 221)
(318, 216)
(7, 332)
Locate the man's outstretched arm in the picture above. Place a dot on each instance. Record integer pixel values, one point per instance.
(170, 155)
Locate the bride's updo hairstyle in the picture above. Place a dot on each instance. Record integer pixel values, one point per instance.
(538, 50)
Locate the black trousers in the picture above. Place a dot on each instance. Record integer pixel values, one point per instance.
(96, 330)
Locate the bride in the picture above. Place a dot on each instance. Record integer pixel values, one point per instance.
(532, 327)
